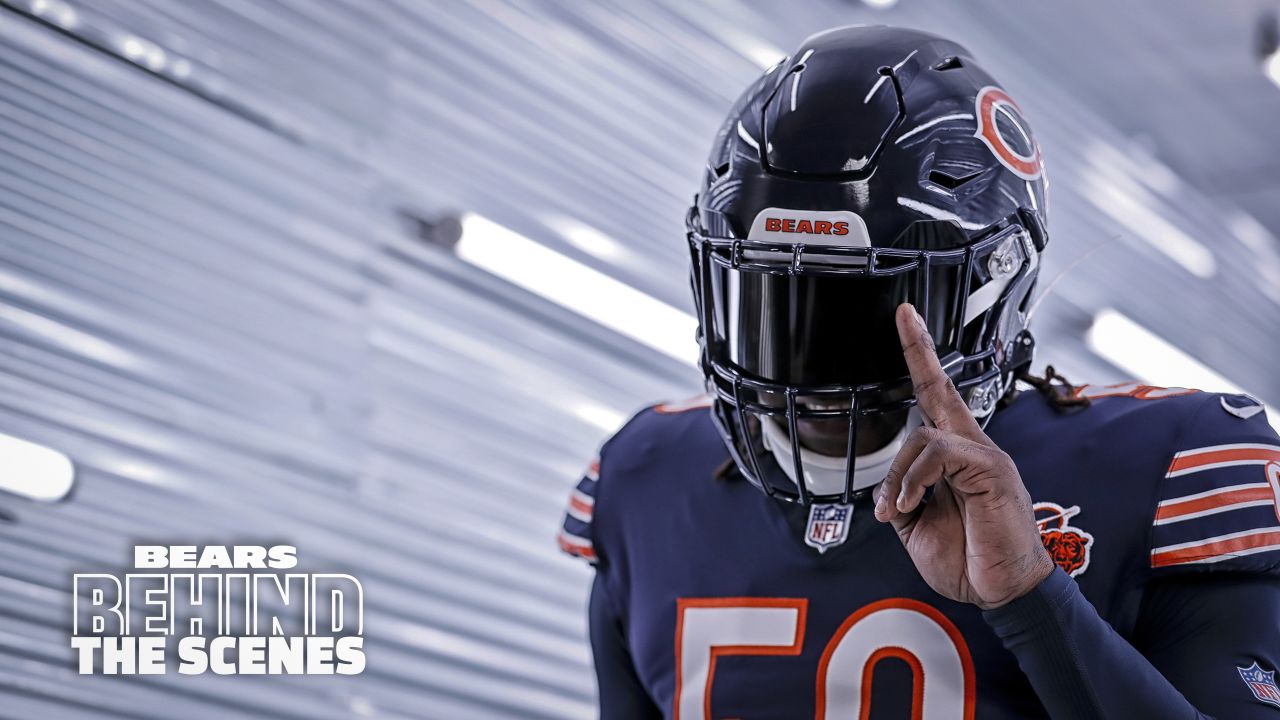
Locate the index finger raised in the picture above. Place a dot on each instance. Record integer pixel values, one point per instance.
(934, 391)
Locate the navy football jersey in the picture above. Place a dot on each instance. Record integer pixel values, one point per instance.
(729, 604)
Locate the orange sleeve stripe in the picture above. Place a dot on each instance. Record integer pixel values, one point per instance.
(1258, 541)
(584, 508)
(1193, 459)
(696, 402)
(582, 551)
(1218, 500)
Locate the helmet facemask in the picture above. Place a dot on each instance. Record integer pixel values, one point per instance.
(797, 334)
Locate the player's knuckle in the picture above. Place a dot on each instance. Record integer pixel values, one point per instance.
(1000, 474)
(929, 384)
(921, 343)
(893, 475)
(923, 435)
(1008, 463)
(1000, 460)
(940, 449)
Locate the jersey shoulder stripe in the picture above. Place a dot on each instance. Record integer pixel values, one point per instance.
(575, 533)
(1131, 389)
(1221, 456)
(1218, 505)
(1219, 548)
(697, 402)
(1210, 502)
(576, 546)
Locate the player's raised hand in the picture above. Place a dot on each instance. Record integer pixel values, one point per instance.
(976, 540)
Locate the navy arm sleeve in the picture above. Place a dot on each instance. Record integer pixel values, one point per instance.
(1195, 634)
(1205, 632)
(622, 697)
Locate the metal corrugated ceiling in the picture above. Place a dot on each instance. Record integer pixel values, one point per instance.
(209, 301)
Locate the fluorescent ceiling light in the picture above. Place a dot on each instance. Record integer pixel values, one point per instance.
(1132, 208)
(34, 471)
(1113, 183)
(605, 418)
(880, 3)
(761, 52)
(588, 239)
(577, 287)
(1266, 258)
(1152, 359)
(55, 11)
(1271, 67)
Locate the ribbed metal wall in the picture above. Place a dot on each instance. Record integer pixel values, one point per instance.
(210, 301)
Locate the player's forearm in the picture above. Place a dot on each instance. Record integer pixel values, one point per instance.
(1077, 663)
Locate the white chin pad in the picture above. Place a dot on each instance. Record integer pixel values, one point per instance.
(823, 474)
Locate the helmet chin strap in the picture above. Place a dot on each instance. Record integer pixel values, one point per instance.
(824, 474)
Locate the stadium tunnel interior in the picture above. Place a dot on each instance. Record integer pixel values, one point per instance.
(377, 278)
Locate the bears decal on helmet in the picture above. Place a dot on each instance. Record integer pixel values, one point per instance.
(1003, 130)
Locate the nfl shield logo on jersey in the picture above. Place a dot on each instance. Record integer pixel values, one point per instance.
(828, 526)
(1262, 683)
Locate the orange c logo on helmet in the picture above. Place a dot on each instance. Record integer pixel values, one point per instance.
(990, 102)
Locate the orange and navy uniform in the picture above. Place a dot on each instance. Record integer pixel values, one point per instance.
(575, 532)
(1161, 507)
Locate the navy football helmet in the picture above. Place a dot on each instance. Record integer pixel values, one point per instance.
(874, 166)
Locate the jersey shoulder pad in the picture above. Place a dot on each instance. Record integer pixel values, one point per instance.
(652, 427)
(1218, 504)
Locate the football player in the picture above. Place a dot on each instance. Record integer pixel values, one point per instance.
(868, 516)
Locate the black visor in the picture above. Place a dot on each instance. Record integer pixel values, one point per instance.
(818, 330)
(824, 316)
(796, 331)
